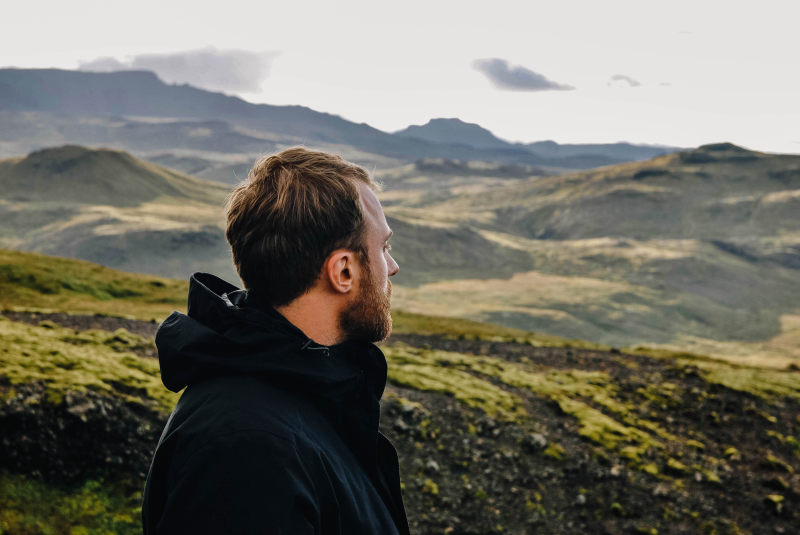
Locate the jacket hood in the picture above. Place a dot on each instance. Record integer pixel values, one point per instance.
(229, 331)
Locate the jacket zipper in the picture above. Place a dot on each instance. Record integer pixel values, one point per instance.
(307, 345)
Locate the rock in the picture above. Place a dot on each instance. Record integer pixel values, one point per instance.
(400, 425)
(533, 442)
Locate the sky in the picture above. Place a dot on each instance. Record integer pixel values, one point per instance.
(680, 73)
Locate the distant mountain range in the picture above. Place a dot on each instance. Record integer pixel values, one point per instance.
(199, 120)
(456, 131)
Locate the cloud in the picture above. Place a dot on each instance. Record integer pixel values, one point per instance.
(516, 78)
(621, 79)
(209, 68)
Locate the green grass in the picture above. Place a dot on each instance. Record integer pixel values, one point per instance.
(429, 371)
(30, 281)
(63, 360)
(768, 383)
(765, 383)
(31, 507)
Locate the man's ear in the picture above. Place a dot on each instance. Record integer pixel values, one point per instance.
(340, 270)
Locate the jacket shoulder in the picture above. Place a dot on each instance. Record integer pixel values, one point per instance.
(237, 404)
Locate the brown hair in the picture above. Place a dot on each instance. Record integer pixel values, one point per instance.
(294, 209)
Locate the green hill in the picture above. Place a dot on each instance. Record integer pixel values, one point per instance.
(498, 430)
(72, 174)
(109, 207)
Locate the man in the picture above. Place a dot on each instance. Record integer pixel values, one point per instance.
(277, 430)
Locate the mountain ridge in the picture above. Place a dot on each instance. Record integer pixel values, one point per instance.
(143, 94)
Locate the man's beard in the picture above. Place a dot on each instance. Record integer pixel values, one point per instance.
(367, 316)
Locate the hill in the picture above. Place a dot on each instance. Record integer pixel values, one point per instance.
(717, 191)
(73, 174)
(498, 430)
(109, 207)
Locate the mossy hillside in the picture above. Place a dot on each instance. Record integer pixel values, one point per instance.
(31, 507)
(764, 382)
(548, 422)
(64, 361)
(590, 397)
(439, 372)
(30, 281)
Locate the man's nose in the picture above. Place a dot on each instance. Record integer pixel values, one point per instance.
(393, 267)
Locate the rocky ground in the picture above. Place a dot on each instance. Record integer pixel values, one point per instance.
(727, 462)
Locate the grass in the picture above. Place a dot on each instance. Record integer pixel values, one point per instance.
(30, 281)
(429, 371)
(765, 382)
(31, 507)
(63, 360)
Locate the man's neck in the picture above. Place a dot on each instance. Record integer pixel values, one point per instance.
(314, 315)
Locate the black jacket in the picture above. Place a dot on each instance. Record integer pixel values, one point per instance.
(274, 433)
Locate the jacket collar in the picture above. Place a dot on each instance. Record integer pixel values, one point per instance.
(228, 331)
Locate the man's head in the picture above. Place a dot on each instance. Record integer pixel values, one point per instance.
(310, 221)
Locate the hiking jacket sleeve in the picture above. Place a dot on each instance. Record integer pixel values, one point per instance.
(244, 482)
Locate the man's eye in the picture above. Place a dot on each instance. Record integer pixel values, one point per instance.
(387, 247)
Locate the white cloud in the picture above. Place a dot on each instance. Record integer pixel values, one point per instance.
(209, 68)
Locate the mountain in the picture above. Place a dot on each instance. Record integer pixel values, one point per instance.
(497, 430)
(454, 131)
(143, 94)
(616, 152)
(136, 111)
